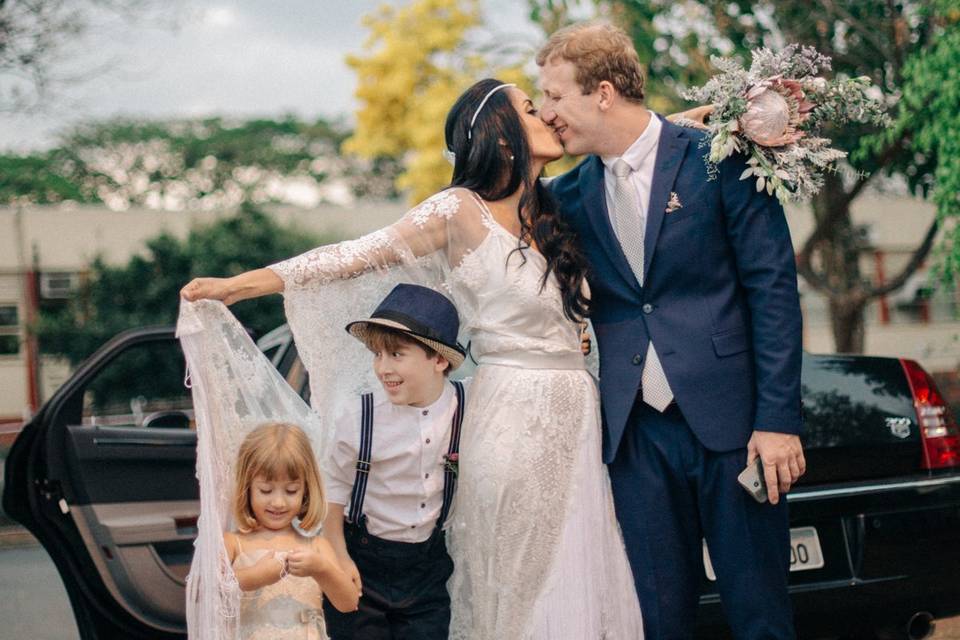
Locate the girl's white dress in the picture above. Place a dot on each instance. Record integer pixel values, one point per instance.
(534, 538)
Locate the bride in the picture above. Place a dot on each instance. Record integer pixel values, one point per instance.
(537, 550)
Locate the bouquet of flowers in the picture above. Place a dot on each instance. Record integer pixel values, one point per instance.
(773, 113)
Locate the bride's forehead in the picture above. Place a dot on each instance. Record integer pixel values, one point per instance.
(517, 96)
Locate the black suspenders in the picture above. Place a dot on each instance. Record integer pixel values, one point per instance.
(449, 474)
(363, 458)
(355, 514)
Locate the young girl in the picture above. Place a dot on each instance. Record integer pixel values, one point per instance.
(285, 573)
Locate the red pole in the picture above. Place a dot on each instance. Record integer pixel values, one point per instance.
(31, 345)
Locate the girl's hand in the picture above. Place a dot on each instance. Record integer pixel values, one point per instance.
(585, 345)
(208, 289)
(268, 569)
(309, 563)
(350, 568)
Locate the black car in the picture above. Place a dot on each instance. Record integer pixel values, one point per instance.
(104, 478)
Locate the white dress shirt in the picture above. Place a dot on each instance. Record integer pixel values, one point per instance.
(405, 486)
(642, 158)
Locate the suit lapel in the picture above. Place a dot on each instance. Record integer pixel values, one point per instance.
(670, 152)
(594, 202)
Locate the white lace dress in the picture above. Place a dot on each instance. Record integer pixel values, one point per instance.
(537, 550)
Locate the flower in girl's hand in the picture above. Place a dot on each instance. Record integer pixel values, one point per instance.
(451, 463)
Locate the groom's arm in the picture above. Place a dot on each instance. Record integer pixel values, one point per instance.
(766, 267)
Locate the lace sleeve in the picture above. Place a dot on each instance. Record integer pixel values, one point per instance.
(421, 231)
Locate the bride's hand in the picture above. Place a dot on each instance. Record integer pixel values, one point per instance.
(585, 345)
(696, 117)
(208, 289)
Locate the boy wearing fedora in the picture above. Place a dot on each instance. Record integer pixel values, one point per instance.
(392, 471)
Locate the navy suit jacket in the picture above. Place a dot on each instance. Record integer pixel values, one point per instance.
(719, 299)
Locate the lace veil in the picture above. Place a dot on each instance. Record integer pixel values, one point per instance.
(235, 387)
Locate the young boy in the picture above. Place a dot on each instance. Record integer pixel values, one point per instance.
(392, 472)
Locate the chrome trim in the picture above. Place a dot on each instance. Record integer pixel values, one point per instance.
(801, 496)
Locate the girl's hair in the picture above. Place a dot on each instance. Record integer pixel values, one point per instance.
(273, 450)
(493, 162)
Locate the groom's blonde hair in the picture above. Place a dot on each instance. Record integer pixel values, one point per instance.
(599, 51)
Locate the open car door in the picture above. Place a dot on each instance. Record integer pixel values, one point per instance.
(104, 477)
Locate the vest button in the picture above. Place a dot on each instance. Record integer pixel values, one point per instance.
(637, 359)
(648, 308)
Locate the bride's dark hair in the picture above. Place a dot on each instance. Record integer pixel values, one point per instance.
(493, 163)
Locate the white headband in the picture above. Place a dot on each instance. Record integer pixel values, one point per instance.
(473, 120)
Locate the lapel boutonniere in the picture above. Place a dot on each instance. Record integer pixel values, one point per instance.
(451, 463)
(673, 203)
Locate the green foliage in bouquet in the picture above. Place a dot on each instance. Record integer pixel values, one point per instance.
(774, 112)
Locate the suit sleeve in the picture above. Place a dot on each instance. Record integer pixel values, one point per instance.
(766, 266)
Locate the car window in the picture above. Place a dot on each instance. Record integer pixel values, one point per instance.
(142, 386)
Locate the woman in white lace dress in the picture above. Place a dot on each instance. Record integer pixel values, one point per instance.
(538, 554)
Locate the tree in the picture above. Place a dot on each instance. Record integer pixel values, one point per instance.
(930, 116)
(201, 164)
(41, 45)
(892, 43)
(421, 59)
(145, 291)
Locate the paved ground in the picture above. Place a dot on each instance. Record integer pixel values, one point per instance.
(33, 603)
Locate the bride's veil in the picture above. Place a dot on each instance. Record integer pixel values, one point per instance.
(236, 388)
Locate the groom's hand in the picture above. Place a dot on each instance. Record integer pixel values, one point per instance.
(783, 461)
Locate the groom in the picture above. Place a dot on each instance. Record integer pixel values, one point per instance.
(697, 318)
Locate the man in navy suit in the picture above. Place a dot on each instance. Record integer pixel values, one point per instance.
(697, 318)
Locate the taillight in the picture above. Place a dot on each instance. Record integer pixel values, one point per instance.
(938, 427)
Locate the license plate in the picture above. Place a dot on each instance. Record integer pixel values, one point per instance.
(805, 552)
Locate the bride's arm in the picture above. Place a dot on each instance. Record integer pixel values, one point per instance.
(249, 284)
(695, 117)
(421, 231)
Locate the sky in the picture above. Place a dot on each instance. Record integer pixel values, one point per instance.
(226, 57)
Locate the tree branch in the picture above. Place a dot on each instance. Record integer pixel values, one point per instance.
(915, 261)
(867, 34)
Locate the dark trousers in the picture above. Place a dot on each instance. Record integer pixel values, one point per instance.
(670, 493)
(404, 589)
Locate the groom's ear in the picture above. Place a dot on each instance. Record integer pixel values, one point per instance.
(606, 94)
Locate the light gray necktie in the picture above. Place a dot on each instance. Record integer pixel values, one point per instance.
(629, 223)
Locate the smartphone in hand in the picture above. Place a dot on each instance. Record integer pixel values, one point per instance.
(752, 480)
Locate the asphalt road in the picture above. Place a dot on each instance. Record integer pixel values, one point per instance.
(33, 603)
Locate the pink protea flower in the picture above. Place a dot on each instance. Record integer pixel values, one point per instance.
(776, 108)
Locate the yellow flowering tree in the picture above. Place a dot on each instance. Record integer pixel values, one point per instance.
(419, 62)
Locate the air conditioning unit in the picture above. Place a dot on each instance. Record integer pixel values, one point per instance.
(58, 285)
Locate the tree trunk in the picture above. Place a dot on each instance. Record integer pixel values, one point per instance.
(836, 256)
(847, 322)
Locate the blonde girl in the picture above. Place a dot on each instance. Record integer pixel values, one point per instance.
(284, 573)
